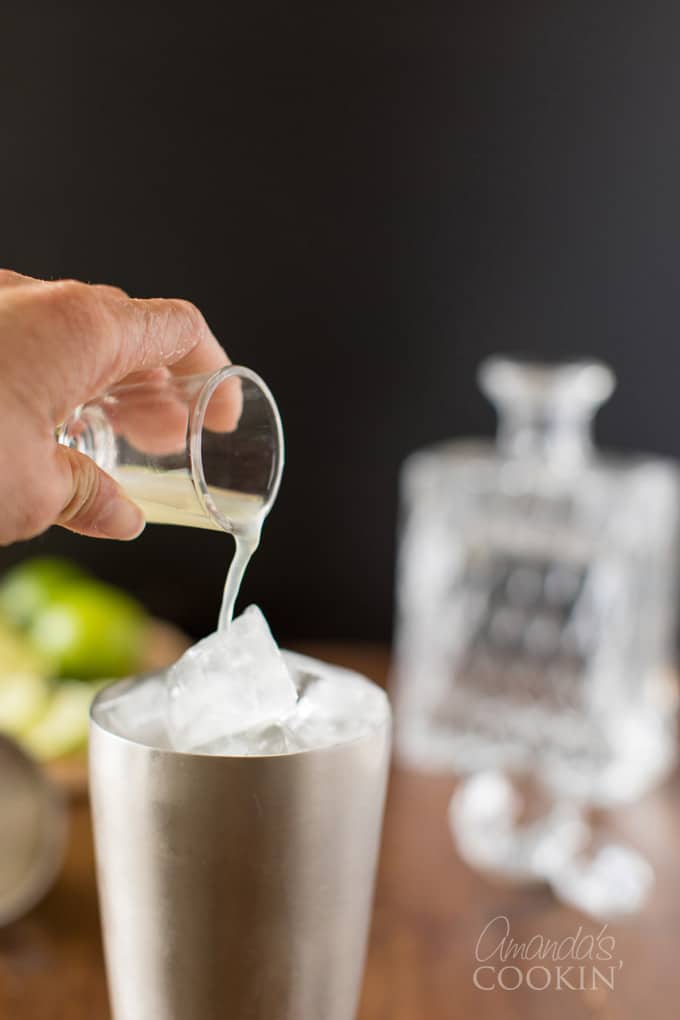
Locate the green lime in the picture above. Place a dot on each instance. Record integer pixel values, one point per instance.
(23, 697)
(62, 727)
(23, 681)
(30, 586)
(17, 654)
(90, 631)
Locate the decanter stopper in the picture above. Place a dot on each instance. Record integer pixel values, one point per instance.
(545, 411)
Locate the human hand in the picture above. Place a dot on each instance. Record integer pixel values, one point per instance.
(63, 343)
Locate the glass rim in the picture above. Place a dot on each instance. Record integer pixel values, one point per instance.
(195, 429)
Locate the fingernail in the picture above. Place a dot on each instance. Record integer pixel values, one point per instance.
(121, 518)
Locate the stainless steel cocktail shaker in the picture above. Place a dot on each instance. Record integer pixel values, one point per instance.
(235, 887)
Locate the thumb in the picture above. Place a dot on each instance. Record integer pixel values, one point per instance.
(93, 503)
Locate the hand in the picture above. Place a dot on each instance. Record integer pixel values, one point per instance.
(61, 344)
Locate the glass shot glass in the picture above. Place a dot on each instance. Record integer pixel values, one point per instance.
(203, 450)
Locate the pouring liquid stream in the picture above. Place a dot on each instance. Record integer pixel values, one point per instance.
(169, 497)
(246, 544)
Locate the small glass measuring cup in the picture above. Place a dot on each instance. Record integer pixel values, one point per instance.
(204, 450)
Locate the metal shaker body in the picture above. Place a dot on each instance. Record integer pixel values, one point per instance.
(236, 887)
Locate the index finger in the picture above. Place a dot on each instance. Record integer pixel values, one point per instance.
(171, 332)
(77, 340)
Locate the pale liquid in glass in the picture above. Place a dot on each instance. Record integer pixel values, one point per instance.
(170, 498)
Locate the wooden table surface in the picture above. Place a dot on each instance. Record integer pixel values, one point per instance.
(430, 911)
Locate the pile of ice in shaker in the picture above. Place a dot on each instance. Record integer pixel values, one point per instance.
(236, 693)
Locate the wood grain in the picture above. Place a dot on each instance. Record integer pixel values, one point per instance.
(430, 911)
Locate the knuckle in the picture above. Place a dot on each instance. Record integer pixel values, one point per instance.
(72, 301)
(109, 290)
(83, 494)
(69, 288)
(75, 316)
(8, 278)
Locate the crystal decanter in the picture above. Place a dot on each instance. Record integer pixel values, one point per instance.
(535, 592)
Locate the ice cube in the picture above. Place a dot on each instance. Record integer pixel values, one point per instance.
(228, 684)
(334, 704)
(484, 819)
(273, 738)
(612, 882)
(136, 710)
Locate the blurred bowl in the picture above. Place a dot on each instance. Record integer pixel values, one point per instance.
(34, 832)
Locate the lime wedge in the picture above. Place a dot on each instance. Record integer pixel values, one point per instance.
(62, 728)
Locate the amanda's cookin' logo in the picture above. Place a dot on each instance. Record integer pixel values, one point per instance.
(577, 963)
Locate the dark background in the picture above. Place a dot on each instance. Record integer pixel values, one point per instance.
(364, 199)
